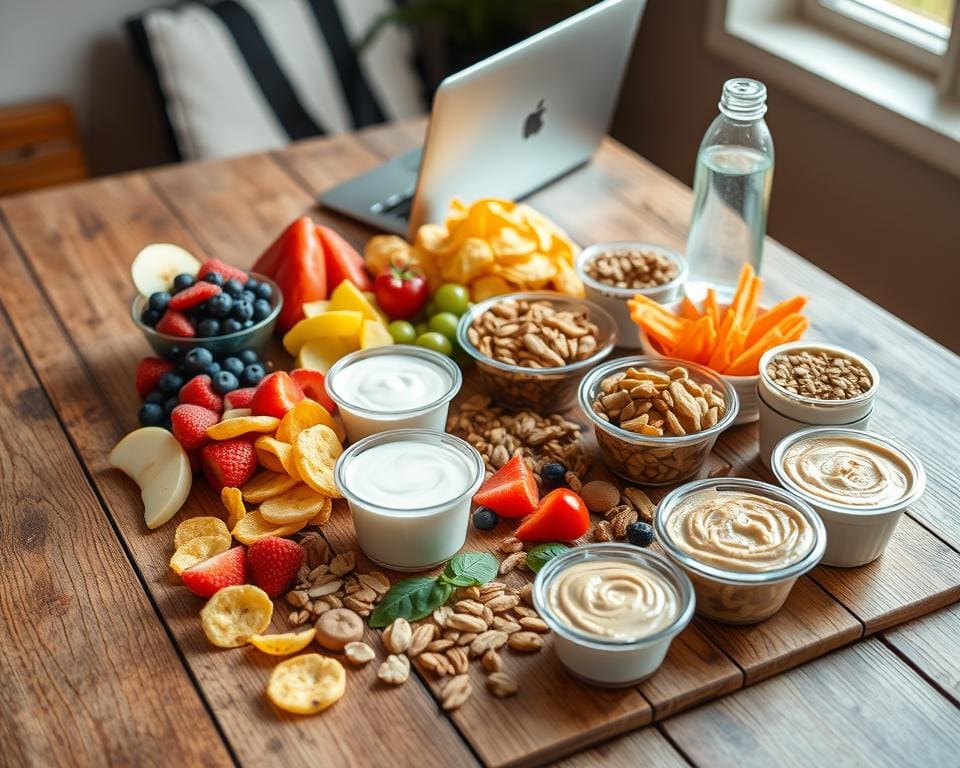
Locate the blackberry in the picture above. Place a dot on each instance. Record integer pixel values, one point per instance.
(640, 534)
(485, 519)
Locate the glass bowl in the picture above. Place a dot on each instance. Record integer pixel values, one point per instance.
(545, 390)
(255, 337)
(648, 459)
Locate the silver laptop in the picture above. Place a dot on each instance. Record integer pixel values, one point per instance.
(506, 126)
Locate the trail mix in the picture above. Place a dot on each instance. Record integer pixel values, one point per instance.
(632, 268)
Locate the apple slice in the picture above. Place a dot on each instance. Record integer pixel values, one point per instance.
(373, 334)
(155, 461)
(157, 264)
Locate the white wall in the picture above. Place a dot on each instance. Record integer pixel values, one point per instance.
(80, 49)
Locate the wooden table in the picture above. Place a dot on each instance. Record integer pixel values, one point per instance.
(102, 657)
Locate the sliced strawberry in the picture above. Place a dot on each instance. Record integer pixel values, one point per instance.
(228, 462)
(199, 391)
(561, 516)
(226, 271)
(176, 324)
(148, 373)
(276, 394)
(239, 398)
(195, 294)
(511, 491)
(274, 563)
(311, 384)
(209, 576)
(189, 424)
(342, 260)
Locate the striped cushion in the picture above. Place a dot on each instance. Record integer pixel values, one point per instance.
(240, 76)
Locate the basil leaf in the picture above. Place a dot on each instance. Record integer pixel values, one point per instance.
(542, 553)
(471, 569)
(410, 599)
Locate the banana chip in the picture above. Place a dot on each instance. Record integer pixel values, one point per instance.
(196, 527)
(306, 413)
(269, 461)
(232, 500)
(234, 614)
(197, 550)
(282, 451)
(298, 505)
(316, 453)
(307, 684)
(266, 485)
(253, 528)
(241, 425)
(283, 644)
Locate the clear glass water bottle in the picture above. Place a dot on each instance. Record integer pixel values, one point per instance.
(731, 189)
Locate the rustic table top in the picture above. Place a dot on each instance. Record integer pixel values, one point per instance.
(102, 657)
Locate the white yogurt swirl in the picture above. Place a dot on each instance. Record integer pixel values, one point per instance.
(391, 383)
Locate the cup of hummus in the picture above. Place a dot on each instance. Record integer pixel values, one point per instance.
(743, 543)
(613, 609)
(858, 482)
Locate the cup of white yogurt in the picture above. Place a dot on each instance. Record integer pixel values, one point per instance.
(409, 492)
(614, 610)
(394, 387)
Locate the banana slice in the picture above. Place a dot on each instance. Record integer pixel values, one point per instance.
(155, 461)
(157, 264)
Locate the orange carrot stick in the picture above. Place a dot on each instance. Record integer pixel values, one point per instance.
(688, 310)
(776, 313)
(710, 307)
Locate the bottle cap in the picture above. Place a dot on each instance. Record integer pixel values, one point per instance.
(743, 99)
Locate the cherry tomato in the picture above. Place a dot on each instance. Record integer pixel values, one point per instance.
(401, 291)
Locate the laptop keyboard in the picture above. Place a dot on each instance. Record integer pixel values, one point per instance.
(397, 205)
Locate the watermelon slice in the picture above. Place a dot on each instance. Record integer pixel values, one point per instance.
(511, 491)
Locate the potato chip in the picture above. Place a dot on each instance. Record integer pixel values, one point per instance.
(283, 644)
(487, 286)
(266, 485)
(316, 453)
(253, 528)
(283, 451)
(270, 462)
(200, 526)
(298, 505)
(235, 613)
(471, 260)
(509, 242)
(535, 272)
(382, 250)
(306, 413)
(323, 515)
(431, 237)
(232, 500)
(236, 413)
(243, 425)
(197, 550)
(307, 684)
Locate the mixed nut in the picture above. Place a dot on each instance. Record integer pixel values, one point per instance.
(632, 268)
(819, 374)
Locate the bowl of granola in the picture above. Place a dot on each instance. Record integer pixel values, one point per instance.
(531, 349)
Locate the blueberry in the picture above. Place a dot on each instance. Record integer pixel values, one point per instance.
(208, 327)
(197, 360)
(263, 290)
(175, 354)
(233, 287)
(640, 534)
(150, 415)
(159, 300)
(247, 324)
(150, 317)
(230, 325)
(183, 281)
(213, 369)
(213, 277)
(261, 309)
(485, 519)
(553, 475)
(225, 382)
(169, 404)
(170, 383)
(199, 311)
(248, 356)
(248, 296)
(156, 398)
(242, 310)
(252, 375)
(232, 364)
(252, 284)
(219, 305)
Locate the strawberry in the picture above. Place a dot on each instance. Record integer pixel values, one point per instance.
(176, 324)
(239, 398)
(199, 391)
(189, 425)
(224, 270)
(276, 394)
(560, 516)
(274, 563)
(209, 576)
(195, 294)
(511, 491)
(149, 371)
(228, 462)
(311, 384)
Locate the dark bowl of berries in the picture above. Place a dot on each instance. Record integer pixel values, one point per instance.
(222, 309)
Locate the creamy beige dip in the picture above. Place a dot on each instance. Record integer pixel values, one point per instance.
(740, 531)
(852, 471)
(613, 599)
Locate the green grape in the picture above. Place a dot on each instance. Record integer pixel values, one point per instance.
(435, 341)
(430, 309)
(445, 323)
(402, 332)
(453, 298)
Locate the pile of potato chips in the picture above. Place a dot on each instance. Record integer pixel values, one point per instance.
(493, 247)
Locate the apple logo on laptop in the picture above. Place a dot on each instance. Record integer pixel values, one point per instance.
(534, 122)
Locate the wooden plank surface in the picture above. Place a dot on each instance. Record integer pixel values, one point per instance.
(932, 645)
(859, 706)
(88, 672)
(645, 747)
